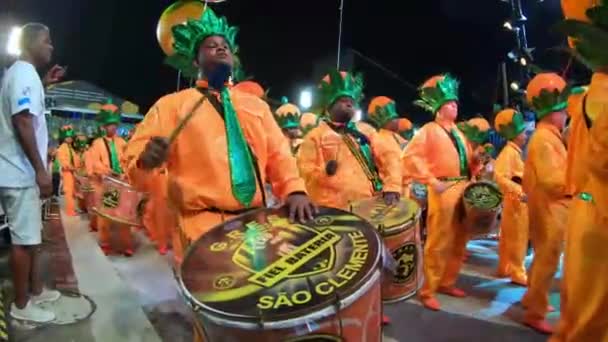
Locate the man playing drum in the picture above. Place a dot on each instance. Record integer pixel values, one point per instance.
(440, 157)
(226, 150)
(343, 161)
(106, 153)
(382, 113)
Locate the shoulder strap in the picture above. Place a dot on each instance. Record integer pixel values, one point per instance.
(105, 142)
(456, 146)
(220, 110)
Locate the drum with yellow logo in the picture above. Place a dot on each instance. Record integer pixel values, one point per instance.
(120, 203)
(399, 226)
(259, 277)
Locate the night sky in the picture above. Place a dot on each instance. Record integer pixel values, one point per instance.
(113, 44)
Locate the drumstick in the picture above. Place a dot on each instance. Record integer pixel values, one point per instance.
(182, 124)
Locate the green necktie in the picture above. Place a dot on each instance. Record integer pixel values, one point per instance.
(462, 153)
(114, 162)
(242, 174)
(56, 165)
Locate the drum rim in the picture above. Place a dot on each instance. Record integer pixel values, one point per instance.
(327, 311)
(397, 228)
(197, 306)
(116, 180)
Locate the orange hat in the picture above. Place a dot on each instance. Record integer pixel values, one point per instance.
(308, 121)
(509, 123)
(382, 110)
(250, 87)
(545, 94)
(404, 125)
(577, 10)
(476, 129)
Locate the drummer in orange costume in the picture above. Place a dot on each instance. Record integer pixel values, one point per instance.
(544, 183)
(343, 161)
(405, 129)
(509, 173)
(308, 121)
(584, 299)
(440, 157)
(288, 117)
(106, 153)
(477, 132)
(70, 162)
(88, 166)
(230, 146)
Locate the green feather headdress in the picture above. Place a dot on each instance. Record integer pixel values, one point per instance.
(591, 39)
(549, 101)
(514, 128)
(108, 114)
(383, 114)
(473, 133)
(432, 98)
(188, 37)
(351, 85)
(66, 132)
(288, 115)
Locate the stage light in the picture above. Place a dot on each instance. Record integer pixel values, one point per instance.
(12, 46)
(508, 25)
(358, 115)
(514, 86)
(523, 61)
(305, 99)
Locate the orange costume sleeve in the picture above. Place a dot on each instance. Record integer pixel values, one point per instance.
(578, 142)
(508, 165)
(197, 165)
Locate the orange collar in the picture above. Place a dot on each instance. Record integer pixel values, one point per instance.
(549, 127)
(514, 145)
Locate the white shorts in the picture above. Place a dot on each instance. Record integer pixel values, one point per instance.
(22, 207)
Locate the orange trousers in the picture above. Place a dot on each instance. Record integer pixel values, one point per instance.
(547, 225)
(446, 240)
(69, 193)
(584, 299)
(513, 243)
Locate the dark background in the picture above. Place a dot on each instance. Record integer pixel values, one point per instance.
(287, 45)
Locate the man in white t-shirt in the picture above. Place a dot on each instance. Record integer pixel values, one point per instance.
(24, 177)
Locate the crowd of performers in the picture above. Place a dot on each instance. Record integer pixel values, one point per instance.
(230, 148)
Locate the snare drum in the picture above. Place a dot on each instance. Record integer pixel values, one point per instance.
(119, 202)
(260, 278)
(399, 226)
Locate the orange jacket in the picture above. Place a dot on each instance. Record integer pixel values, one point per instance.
(100, 159)
(431, 155)
(199, 173)
(68, 157)
(508, 165)
(350, 183)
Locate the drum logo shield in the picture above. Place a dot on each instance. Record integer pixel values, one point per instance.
(111, 198)
(406, 262)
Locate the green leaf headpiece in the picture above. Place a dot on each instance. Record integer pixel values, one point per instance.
(108, 114)
(188, 37)
(433, 96)
(477, 133)
(288, 115)
(509, 123)
(381, 111)
(66, 131)
(337, 85)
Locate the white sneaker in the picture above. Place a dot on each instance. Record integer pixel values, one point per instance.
(31, 313)
(46, 296)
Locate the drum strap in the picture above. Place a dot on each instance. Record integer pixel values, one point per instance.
(114, 163)
(220, 110)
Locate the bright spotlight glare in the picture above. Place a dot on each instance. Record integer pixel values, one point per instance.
(514, 86)
(305, 99)
(508, 25)
(12, 47)
(358, 115)
(523, 61)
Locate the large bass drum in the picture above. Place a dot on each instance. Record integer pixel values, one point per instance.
(258, 277)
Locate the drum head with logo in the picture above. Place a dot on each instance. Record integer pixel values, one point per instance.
(259, 267)
(388, 219)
